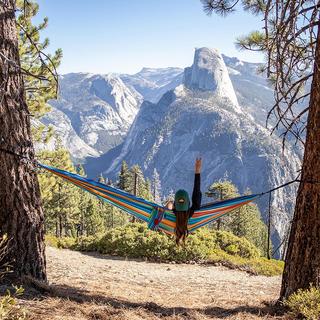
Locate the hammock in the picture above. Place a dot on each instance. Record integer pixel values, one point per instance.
(157, 216)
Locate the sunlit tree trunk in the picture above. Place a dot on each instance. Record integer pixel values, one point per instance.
(21, 216)
(302, 264)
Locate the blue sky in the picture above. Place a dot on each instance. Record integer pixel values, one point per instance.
(102, 36)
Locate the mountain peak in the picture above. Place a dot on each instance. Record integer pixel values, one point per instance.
(209, 73)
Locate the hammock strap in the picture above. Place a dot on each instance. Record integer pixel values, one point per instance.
(282, 186)
(18, 155)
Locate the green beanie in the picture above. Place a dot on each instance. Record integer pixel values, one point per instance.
(181, 200)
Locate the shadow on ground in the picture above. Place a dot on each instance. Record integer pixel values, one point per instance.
(40, 292)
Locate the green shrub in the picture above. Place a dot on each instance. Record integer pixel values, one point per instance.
(305, 303)
(64, 243)
(135, 240)
(8, 306)
(234, 245)
(67, 243)
(86, 243)
(232, 249)
(51, 240)
(266, 267)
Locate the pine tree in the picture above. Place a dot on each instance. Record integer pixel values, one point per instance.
(93, 212)
(243, 222)
(39, 68)
(106, 211)
(247, 222)
(137, 186)
(147, 193)
(125, 178)
(256, 230)
(222, 190)
(291, 42)
(21, 215)
(60, 198)
(93, 221)
(156, 186)
(82, 203)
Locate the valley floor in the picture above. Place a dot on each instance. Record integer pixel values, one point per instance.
(93, 286)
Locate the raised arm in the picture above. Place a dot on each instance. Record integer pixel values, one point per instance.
(196, 194)
(197, 166)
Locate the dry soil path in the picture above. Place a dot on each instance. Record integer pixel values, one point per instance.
(93, 286)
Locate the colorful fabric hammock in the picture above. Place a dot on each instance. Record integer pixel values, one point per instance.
(157, 216)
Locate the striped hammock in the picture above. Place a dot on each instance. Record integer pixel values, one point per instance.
(157, 216)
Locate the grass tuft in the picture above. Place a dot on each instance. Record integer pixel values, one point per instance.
(305, 304)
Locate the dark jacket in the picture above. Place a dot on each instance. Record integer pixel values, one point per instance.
(196, 196)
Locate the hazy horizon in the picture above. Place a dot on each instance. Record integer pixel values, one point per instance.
(147, 67)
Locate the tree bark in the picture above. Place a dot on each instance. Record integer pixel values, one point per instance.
(57, 228)
(302, 264)
(60, 225)
(21, 215)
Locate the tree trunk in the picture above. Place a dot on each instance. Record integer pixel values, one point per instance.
(60, 226)
(135, 189)
(57, 228)
(21, 216)
(302, 264)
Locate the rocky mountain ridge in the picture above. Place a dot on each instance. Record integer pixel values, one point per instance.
(202, 117)
(99, 109)
(216, 108)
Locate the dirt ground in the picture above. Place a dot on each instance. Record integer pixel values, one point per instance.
(93, 286)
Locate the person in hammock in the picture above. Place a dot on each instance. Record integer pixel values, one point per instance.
(181, 207)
